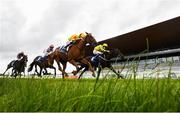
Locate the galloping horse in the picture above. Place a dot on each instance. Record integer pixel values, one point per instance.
(43, 64)
(17, 66)
(76, 53)
(103, 63)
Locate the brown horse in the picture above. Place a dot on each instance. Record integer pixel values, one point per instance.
(76, 53)
(43, 64)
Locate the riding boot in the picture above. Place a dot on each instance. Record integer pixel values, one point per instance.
(98, 57)
(95, 59)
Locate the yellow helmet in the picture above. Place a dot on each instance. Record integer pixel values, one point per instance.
(82, 35)
(105, 45)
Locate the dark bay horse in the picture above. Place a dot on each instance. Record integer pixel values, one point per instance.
(104, 62)
(18, 66)
(76, 53)
(43, 64)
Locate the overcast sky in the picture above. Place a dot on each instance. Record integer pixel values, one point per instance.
(31, 25)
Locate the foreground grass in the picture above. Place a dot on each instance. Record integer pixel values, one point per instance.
(84, 95)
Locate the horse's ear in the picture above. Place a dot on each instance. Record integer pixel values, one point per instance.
(87, 33)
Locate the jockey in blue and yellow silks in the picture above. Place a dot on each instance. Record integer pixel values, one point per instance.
(98, 52)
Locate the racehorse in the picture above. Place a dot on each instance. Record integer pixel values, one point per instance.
(18, 66)
(103, 62)
(43, 64)
(76, 53)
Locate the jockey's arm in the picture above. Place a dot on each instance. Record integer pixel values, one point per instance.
(106, 51)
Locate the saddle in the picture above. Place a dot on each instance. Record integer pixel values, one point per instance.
(41, 58)
(63, 49)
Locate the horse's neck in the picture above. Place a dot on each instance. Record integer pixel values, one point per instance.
(51, 57)
(21, 62)
(109, 56)
(81, 44)
(77, 50)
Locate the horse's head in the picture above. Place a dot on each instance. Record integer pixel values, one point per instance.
(90, 39)
(113, 54)
(24, 59)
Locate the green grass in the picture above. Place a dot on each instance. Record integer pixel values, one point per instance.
(57, 95)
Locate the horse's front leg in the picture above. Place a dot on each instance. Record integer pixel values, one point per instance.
(85, 69)
(64, 66)
(75, 72)
(119, 76)
(5, 71)
(84, 61)
(52, 67)
(60, 69)
(98, 72)
(74, 64)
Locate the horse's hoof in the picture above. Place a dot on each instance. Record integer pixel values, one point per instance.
(74, 73)
(121, 77)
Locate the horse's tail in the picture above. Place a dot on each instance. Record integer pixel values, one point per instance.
(10, 65)
(31, 66)
(33, 63)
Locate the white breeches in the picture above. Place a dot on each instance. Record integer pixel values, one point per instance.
(97, 52)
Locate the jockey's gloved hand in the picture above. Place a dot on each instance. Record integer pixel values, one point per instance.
(107, 51)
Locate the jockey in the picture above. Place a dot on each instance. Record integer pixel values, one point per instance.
(73, 38)
(99, 50)
(48, 51)
(20, 55)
